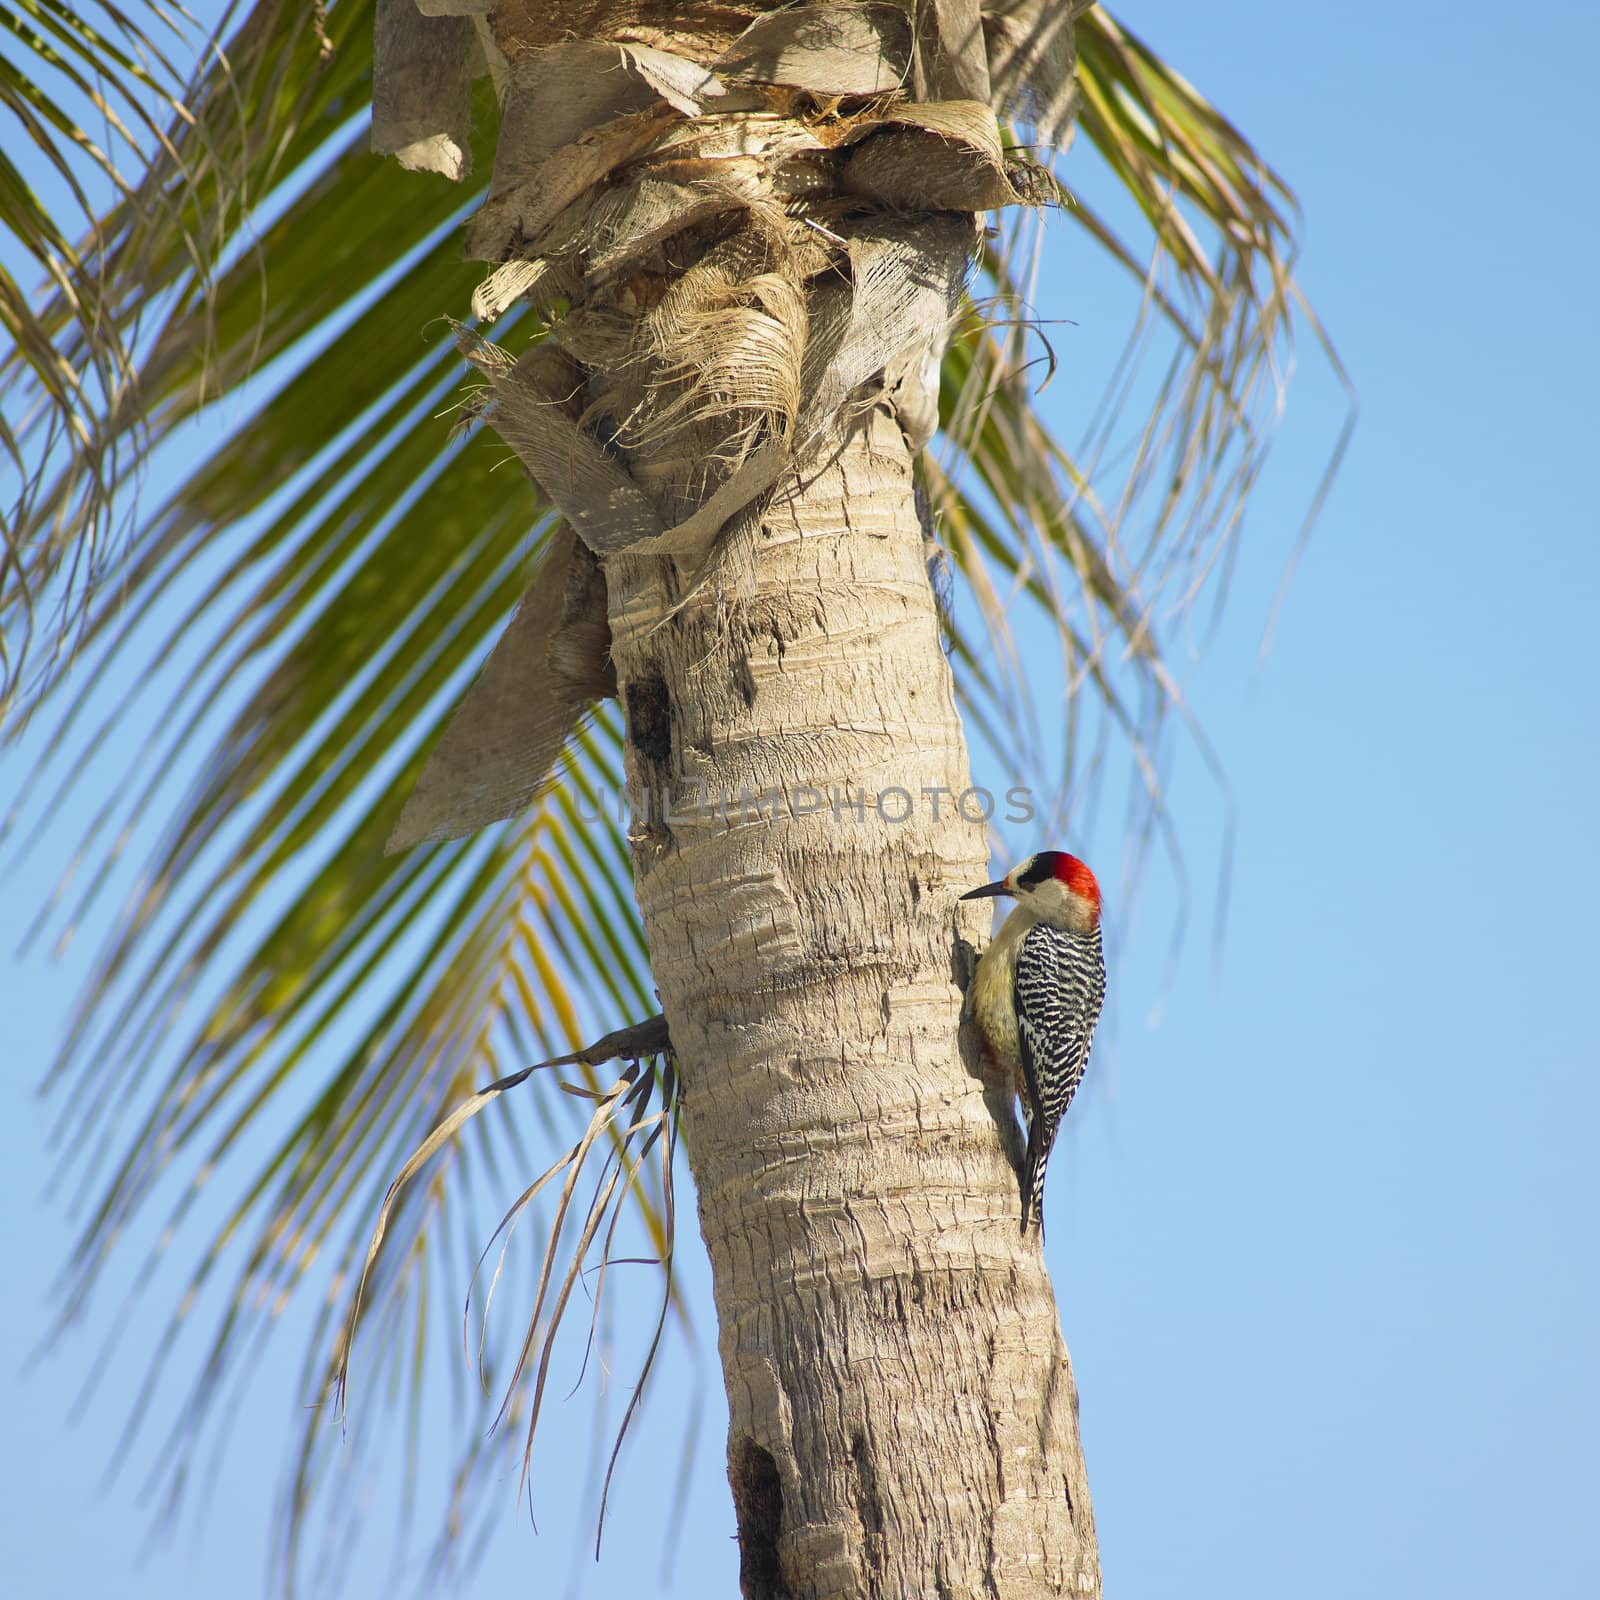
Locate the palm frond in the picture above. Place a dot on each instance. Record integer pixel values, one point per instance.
(383, 558)
(1112, 542)
(59, 72)
(96, 389)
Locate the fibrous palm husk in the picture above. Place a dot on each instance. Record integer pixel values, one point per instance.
(741, 246)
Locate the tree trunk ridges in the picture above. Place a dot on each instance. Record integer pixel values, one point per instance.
(903, 1412)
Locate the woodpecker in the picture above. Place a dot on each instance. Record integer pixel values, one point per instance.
(1037, 995)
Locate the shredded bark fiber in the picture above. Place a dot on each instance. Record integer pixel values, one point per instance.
(746, 227)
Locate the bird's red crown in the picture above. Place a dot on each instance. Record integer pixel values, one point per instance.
(1078, 878)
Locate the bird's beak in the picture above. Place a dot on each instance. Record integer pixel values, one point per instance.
(989, 891)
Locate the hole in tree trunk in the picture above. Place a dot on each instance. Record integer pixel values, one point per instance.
(650, 716)
(758, 1505)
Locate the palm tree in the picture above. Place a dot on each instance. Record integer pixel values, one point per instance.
(730, 248)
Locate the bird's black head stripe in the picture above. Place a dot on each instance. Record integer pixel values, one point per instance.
(1042, 866)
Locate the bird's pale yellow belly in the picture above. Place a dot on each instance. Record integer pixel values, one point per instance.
(993, 1005)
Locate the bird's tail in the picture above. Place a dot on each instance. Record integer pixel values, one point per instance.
(1033, 1180)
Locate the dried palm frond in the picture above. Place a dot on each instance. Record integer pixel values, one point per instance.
(634, 1115)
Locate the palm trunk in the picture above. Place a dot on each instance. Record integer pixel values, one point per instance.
(747, 241)
(903, 1414)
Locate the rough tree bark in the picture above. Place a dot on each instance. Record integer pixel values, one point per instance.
(904, 1419)
(745, 226)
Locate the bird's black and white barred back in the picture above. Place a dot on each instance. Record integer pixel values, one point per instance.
(1059, 987)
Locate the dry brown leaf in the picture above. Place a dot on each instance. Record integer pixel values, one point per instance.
(505, 737)
(422, 89)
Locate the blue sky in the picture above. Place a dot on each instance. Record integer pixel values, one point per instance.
(1322, 1224)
